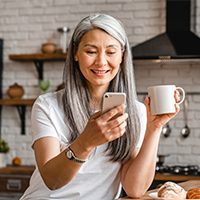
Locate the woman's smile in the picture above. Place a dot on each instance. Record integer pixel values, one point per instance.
(100, 72)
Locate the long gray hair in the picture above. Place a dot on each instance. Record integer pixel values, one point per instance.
(76, 98)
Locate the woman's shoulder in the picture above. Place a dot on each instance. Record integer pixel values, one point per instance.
(50, 98)
(141, 107)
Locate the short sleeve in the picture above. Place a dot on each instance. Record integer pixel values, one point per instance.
(143, 122)
(41, 122)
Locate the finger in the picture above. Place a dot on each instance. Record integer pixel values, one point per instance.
(168, 117)
(95, 115)
(118, 131)
(147, 104)
(177, 96)
(117, 121)
(111, 113)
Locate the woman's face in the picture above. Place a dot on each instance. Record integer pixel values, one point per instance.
(99, 56)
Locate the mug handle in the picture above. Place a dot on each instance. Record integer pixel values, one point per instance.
(183, 95)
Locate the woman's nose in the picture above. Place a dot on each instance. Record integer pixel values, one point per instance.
(101, 59)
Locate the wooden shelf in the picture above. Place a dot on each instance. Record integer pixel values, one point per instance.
(21, 108)
(38, 60)
(17, 101)
(41, 57)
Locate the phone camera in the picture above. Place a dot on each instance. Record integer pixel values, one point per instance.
(106, 96)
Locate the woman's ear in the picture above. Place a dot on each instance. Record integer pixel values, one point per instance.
(122, 57)
(75, 57)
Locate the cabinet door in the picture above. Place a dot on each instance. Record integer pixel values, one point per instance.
(13, 183)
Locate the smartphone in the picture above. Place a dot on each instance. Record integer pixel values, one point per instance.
(111, 100)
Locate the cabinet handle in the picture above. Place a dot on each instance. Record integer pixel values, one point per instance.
(13, 184)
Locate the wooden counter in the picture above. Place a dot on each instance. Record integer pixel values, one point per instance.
(23, 169)
(29, 170)
(175, 177)
(186, 185)
(189, 181)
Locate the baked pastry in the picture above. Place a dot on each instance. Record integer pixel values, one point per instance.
(193, 193)
(171, 190)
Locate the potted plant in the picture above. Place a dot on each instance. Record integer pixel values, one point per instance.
(4, 148)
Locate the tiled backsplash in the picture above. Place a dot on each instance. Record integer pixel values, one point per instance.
(26, 25)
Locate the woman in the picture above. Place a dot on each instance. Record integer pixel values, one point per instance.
(81, 154)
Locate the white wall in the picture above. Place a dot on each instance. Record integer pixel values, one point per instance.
(26, 24)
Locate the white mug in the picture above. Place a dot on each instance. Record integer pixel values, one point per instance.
(162, 99)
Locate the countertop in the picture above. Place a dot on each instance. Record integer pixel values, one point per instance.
(189, 181)
(22, 169)
(187, 185)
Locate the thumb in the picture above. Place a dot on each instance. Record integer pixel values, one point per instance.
(147, 104)
(96, 114)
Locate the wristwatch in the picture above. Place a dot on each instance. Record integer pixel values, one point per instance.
(70, 155)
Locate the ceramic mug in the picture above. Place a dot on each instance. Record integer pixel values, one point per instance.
(162, 99)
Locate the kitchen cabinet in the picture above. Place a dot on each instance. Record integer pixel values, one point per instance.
(38, 60)
(14, 180)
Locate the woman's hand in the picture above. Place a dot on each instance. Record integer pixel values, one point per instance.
(157, 121)
(101, 129)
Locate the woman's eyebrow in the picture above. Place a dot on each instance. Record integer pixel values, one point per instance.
(112, 45)
(91, 45)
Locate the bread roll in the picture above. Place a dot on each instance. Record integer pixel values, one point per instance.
(193, 193)
(171, 190)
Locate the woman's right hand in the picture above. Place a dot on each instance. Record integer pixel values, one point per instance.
(102, 129)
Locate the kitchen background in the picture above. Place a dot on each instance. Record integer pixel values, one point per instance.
(27, 24)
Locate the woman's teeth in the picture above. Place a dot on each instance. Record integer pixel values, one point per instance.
(100, 72)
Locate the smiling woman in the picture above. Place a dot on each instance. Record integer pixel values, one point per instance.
(80, 153)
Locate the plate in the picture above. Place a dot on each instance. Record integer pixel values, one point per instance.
(154, 195)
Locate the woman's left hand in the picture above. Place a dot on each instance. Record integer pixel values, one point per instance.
(157, 121)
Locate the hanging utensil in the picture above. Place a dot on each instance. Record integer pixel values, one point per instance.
(185, 131)
(166, 130)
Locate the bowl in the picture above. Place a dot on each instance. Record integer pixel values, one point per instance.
(48, 47)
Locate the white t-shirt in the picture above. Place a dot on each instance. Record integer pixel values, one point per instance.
(98, 178)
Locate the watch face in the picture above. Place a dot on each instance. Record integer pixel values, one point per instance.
(69, 154)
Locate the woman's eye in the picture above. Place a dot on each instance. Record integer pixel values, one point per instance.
(91, 52)
(111, 52)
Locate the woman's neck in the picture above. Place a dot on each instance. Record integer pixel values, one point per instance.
(97, 95)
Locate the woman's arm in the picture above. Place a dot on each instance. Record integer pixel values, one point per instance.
(55, 168)
(138, 173)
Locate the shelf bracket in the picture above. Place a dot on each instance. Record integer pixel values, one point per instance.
(39, 67)
(22, 112)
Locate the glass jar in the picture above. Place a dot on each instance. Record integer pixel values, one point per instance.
(63, 38)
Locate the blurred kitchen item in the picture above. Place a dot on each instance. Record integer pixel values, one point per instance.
(185, 131)
(63, 38)
(161, 159)
(48, 47)
(44, 85)
(166, 130)
(15, 91)
(16, 161)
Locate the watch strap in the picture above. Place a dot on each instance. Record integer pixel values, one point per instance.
(72, 156)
